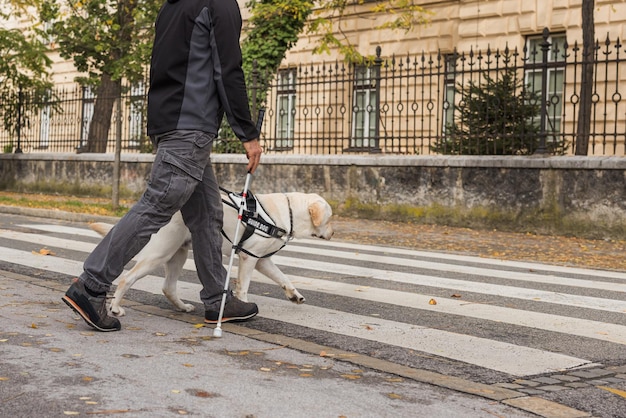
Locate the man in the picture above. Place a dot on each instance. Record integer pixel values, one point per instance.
(195, 77)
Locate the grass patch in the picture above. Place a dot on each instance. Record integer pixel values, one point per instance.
(92, 206)
(543, 221)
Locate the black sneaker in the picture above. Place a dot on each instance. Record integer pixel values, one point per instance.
(235, 310)
(91, 308)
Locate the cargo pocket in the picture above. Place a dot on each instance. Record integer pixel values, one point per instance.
(203, 139)
(173, 182)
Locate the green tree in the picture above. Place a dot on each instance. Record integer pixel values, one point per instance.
(274, 27)
(494, 118)
(109, 41)
(24, 66)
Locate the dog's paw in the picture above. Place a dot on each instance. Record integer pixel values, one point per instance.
(297, 298)
(117, 311)
(188, 307)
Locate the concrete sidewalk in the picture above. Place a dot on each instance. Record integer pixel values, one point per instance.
(165, 364)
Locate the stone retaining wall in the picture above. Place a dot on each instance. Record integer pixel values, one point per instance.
(579, 195)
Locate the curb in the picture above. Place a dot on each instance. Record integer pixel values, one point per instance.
(56, 214)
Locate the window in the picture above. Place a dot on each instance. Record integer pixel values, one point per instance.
(44, 125)
(365, 108)
(45, 36)
(554, 71)
(449, 92)
(88, 100)
(285, 108)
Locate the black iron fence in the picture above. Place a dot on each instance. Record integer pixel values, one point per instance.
(510, 101)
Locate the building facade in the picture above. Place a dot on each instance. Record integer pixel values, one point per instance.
(409, 98)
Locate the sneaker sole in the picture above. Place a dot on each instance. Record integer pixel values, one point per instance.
(69, 302)
(231, 319)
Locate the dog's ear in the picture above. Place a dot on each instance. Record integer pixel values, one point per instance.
(317, 211)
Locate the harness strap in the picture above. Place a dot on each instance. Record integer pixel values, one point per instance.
(255, 221)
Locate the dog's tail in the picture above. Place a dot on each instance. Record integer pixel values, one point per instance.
(101, 227)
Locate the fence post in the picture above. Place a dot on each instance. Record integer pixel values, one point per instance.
(377, 65)
(115, 192)
(545, 47)
(18, 128)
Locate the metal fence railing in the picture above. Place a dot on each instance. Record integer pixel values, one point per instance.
(509, 101)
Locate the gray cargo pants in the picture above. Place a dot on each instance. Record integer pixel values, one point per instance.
(182, 178)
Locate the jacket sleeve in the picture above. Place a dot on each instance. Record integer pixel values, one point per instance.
(229, 76)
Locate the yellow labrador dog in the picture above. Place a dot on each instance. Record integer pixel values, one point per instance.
(300, 215)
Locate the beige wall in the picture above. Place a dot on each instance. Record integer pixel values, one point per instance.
(469, 24)
(463, 24)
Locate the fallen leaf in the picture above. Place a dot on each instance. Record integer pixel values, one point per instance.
(199, 326)
(71, 413)
(394, 379)
(306, 375)
(175, 391)
(456, 295)
(34, 326)
(350, 376)
(160, 334)
(432, 302)
(87, 379)
(265, 369)
(614, 391)
(3, 379)
(203, 394)
(394, 396)
(238, 353)
(109, 412)
(187, 365)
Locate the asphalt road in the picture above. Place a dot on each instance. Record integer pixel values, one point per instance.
(543, 338)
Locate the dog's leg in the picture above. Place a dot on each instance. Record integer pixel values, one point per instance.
(127, 280)
(244, 270)
(173, 269)
(267, 267)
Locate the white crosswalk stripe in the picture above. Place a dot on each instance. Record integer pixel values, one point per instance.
(368, 266)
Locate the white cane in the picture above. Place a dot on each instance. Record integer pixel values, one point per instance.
(217, 332)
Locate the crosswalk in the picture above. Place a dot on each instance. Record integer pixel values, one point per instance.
(408, 295)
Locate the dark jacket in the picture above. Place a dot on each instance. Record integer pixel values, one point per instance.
(195, 73)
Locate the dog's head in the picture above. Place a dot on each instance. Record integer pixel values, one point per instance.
(320, 212)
